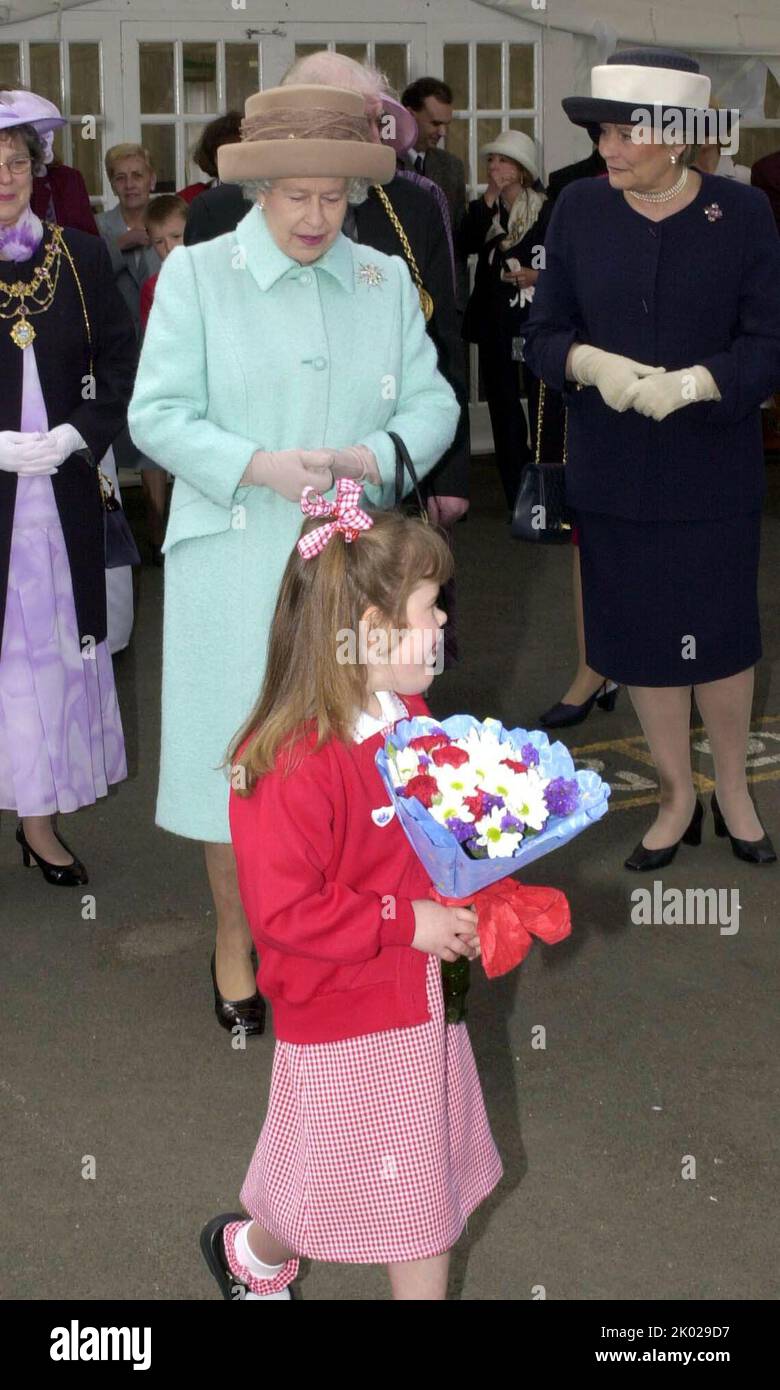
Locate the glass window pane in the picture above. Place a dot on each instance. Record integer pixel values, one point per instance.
(88, 158)
(84, 78)
(772, 100)
(458, 141)
(242, 74)
(358, 51)
(45, 71)
(200, 77)
(456, 73)
(160, 141)
(156, 69)
(521, 75)
(192, 134)
(303, 49)
(393, 60)
(10, 72)
(488, 127)
(489, 76)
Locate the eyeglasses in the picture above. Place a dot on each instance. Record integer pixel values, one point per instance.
(18, 166)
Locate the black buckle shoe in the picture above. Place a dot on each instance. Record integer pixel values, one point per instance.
(61, 875)
(248, 1014)
(212, 1244)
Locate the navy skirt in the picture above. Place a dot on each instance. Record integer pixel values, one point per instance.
(670, 602)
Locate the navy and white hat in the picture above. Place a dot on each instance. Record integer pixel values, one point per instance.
(636, 80)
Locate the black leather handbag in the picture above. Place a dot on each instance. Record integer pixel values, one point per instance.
(121, 548)
(540, 513)
(403, 463)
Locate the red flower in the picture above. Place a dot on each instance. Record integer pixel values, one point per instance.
(423, 787)
(426, 742)
(476, 805)
(516, 767)
(449, 755)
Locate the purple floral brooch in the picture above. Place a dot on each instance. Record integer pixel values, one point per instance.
(712, 212)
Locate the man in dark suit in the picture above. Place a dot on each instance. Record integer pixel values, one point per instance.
(589, 168)
(430, 102)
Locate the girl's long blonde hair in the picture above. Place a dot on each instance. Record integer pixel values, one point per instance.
(307, 687)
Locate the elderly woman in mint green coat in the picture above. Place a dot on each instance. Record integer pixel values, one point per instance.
(262, 341)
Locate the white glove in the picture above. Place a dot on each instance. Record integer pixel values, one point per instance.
(26, 453)
(612, 375)
(658, 397)
(356, 462)
(289, 471)
(63, 441)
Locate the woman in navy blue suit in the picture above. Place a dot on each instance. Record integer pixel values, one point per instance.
(658, 315)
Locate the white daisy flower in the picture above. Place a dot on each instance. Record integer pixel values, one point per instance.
(500, 844)
(526, 800)
(404, 764)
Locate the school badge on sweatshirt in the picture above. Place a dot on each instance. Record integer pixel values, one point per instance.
(382, 815)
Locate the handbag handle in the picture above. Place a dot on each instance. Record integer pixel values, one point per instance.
(539, 418)
(403, 461)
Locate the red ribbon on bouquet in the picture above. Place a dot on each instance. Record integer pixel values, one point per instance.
(510, 915)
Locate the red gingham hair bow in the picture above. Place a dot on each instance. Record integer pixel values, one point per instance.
(347, 516)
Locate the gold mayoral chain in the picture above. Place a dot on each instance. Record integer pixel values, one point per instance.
(24, 298)
(426, 301)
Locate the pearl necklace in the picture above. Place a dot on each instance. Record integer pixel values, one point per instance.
(667, 194)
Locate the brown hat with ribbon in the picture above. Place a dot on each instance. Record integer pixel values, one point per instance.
(311, 131)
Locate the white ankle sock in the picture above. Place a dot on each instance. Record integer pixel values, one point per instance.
(247, 1257)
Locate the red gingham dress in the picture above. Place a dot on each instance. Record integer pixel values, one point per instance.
(375, 1149)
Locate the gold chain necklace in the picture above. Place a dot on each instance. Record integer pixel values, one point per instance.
(39, 291)
(426, 301)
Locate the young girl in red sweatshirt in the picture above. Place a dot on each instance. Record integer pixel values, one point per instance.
(376, 1146)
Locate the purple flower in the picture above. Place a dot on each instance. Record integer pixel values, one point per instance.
(530, 755)
(423, 762)
(509, 822)
(476, 851)
(461, 829)
(562, 796)
(489, 800)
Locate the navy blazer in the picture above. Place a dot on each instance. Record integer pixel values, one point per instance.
(701, 288)
(62, 358)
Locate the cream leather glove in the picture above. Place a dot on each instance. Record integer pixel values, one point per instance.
(289, 471)
(658, 397)
(356, 462)
(612, 375)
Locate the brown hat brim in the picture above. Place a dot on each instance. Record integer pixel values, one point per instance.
(284, 159)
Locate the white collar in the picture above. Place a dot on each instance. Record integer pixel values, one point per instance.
(393, 709)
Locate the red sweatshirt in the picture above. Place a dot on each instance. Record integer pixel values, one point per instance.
(328, 894)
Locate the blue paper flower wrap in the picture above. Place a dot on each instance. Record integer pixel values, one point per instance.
(452, 871)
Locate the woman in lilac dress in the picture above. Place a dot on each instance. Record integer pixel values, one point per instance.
(66, 364)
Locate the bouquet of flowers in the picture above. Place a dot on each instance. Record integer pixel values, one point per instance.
(478, 802)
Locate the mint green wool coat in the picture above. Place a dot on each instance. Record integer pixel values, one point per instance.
(246, 349)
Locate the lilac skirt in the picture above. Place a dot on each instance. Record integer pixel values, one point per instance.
(61, 742)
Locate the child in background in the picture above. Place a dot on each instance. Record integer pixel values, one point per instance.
(376, 1146)
(164, 221)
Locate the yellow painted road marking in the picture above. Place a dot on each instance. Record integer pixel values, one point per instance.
(635, 749)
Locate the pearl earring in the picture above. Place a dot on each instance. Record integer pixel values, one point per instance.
(673, 158)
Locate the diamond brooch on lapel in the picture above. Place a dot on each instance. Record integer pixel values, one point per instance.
(371, 275)
(712, 212)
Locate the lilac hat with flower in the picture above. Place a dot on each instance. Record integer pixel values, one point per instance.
(26, 108)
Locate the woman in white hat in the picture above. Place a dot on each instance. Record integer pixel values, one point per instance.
(505, 228)
(658, 313)
(276, 358)
(66, 365)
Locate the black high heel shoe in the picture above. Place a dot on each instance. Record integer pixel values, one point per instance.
(562, 716)
(61, 875)
(643, 858)
(249, 1014)
(752, 851)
